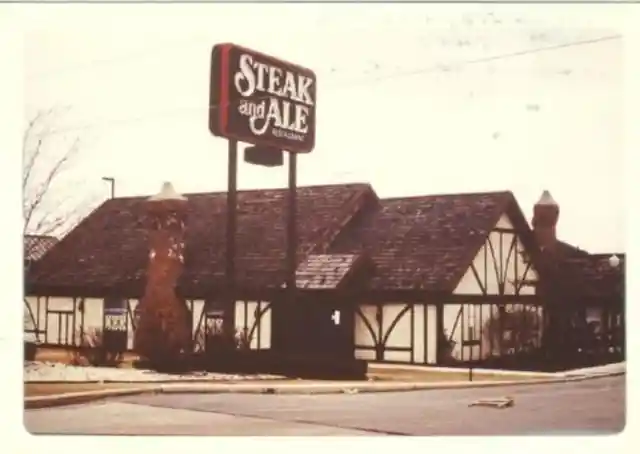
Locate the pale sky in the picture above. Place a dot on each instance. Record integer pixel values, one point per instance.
(403, 101)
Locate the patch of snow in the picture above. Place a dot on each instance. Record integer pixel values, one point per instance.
(615, 368)
(56, 372)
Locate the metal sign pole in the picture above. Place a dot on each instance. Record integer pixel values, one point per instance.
(232, 212)
(291, 228)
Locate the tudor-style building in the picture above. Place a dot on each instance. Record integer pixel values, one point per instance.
(425, 280)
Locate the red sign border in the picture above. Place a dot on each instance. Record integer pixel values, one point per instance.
(223, 114)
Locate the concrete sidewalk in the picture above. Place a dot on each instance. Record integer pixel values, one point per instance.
(313, 387)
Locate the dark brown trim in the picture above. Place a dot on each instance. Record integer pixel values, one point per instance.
(439, 330)
(470, 343)
(481, 330)
(486, 268)
(492, 299)
(131, 317)
(256, 311)
(494, 261)
(46, 319)
(504, 230)
(386, 349)
(358, 313)
(412, 332)
(516, 282)
(483, 288)
(257, 321)
(462, 333)
(507, 263)
(380, 321)
(491, 346)
(82, 315)
(203, 313)
(425, 317)
(455, 322)
(501, 266)
(76, 303)
(245, 320)
(522, 281)
(38, 313)
(35, 323)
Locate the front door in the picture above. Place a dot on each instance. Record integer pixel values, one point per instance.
(311, 327)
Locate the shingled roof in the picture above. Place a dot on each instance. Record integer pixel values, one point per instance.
(108, 250)
(328, 271)
(35, 246)
(427, 242)
(424, 243)
(585, 276)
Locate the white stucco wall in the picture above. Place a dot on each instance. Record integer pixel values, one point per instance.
(362, 336)
(248, 313)
(93, 310)
(400, 336)
(496, 263)
(507, 264)
(93, 318)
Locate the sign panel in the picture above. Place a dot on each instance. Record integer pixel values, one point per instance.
(261, 100)
(115, 319)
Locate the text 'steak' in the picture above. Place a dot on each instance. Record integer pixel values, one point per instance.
(258, 99)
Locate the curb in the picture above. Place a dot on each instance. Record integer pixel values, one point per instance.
(361, 389)
(150, 382)
(183, 388)
(56, 400)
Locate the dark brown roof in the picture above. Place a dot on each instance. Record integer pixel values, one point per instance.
(35, 246)
(408, 243)
(566, 250)
(109, 248)
(326, 271)
(586, 275)
(427, 242)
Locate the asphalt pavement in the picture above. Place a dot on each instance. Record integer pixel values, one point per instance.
(595, 406)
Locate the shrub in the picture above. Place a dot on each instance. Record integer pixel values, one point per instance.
(94, 352)
(243, 340)
(513, 331)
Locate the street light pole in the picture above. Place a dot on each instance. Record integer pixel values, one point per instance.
(112, 184)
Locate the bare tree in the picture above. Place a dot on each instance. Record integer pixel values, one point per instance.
(47, 156)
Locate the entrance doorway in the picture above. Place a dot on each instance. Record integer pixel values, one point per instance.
(313, 328)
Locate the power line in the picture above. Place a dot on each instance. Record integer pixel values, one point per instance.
(492, 58)
(438, 67)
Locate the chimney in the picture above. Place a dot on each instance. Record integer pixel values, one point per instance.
(163, 330)
(545, 219)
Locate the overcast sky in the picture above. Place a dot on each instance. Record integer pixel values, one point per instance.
(409, 99)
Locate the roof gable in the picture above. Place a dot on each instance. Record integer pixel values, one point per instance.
(426, 242)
